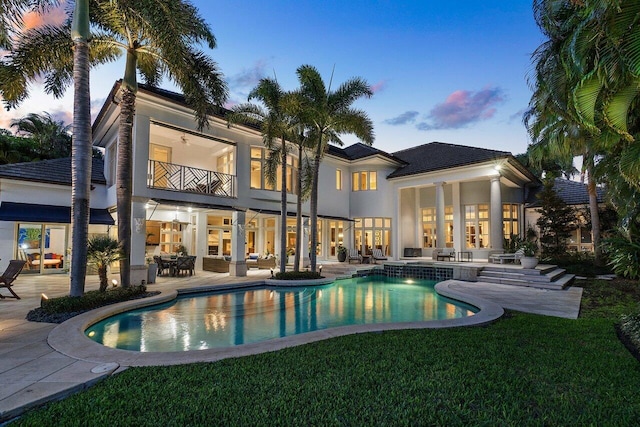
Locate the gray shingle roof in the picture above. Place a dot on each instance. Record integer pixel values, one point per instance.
(439, 155)
(360, 151)
(56, 171)
(572, 192)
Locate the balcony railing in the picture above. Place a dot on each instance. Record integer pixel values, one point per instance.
(170, 176)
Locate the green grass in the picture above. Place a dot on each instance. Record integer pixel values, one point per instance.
(522, 370)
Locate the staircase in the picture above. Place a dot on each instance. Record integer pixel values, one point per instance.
(543, 276)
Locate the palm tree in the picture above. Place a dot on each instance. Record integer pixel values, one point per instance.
(52, 138)
(557, 131)
(329, 114)
(140, 31)
(276, 123)
(11, 12)
(103, 251)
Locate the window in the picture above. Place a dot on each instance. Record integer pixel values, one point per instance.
(338, 179)
(476, 223)
(112, 156)
(510, 224)
(364, 181)
(429, 228)
(225, 163)
(373, 233)
(258, 166)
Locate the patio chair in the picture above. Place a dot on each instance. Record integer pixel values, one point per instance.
(162, 265)
(354, 255)
(377, 255)
(10, 275)
(448, 254)
(185, 263)
(502, 258)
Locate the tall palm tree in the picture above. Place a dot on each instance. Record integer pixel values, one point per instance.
(329, 114)
(11, 13)
(140, 31)
(277, 123)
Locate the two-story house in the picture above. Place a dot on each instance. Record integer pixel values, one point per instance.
(206, 190)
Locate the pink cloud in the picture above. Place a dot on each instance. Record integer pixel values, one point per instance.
(379, 87)
(462, 108)
(54, 16)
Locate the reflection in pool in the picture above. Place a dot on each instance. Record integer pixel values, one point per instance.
(231, 318)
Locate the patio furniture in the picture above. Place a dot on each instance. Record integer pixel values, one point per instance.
(266, 263)
(354, 255)
(445, 254)
(10, 275)
(377, 255)
(465, 256)
(162, 265)
(252, 260)
(185, 263)
(216, 264)
(502, 258)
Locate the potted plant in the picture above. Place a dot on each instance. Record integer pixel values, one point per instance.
(342, 253)
(152, 270)
(529, 249)
(102, 251)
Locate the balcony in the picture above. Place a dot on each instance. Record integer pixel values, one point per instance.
(173, 177)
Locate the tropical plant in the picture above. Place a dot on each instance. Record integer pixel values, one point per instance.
(329, 114)
(529, 247)
(140, 31)
(624, 255)
(52, 138)
(277, 124)
(103, 251)
(11, 13)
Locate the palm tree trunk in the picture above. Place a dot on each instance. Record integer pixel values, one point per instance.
(81, 149)
(314, 205)
(296, 264)
(283, 208)
(124, 180)
(595, 215)
(102, 273)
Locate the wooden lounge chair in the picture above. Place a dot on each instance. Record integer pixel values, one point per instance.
(377, 255)
(354, 255)
(10, 275)
(502, 258)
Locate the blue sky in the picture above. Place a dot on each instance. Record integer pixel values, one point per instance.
(452, 71)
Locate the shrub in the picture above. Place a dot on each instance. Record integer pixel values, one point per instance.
(580, 263)
(624, 256)
(298, 275)
(91, 300)
(630, 326)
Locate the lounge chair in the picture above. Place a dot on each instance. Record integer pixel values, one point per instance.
(502, 258)
(354, 255)
(10, 275)
(377, 255)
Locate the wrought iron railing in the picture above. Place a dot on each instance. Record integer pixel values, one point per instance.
(170, 176)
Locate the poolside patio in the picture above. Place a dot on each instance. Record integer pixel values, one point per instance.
(34, 373)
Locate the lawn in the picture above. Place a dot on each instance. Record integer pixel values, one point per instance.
(522, 370)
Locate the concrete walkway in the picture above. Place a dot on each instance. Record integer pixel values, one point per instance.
(32, 372)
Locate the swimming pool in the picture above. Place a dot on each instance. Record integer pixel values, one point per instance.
(232, 318)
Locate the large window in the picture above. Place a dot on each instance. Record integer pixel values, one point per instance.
(364, 181)
(429, 228)
(510, 223)
(476, 220)
(373, 233)
(258, 175)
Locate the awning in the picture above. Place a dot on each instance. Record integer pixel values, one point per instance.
(29, 212)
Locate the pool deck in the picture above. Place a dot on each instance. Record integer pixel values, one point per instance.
(43, 362)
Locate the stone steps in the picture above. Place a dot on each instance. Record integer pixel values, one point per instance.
(543, 276)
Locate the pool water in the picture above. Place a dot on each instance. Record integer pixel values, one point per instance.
(226, 319)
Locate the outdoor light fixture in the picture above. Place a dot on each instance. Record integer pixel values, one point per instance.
(320, 268)
(43, 299)
(271, 272)
(114, 282)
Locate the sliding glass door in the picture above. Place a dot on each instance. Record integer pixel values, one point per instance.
(43, 247)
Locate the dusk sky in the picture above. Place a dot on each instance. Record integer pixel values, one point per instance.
(452, 72)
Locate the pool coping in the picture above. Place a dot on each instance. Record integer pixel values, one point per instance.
(69, 339)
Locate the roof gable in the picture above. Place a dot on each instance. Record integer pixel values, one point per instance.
(571, 192)
(55, 171)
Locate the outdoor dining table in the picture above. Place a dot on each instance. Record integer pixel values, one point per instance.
(172, 262)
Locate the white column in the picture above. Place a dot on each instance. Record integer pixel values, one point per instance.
(458, 218)
(138, 233)
(495, 225)
(440, 231)
(306, 229)
(238, 266)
